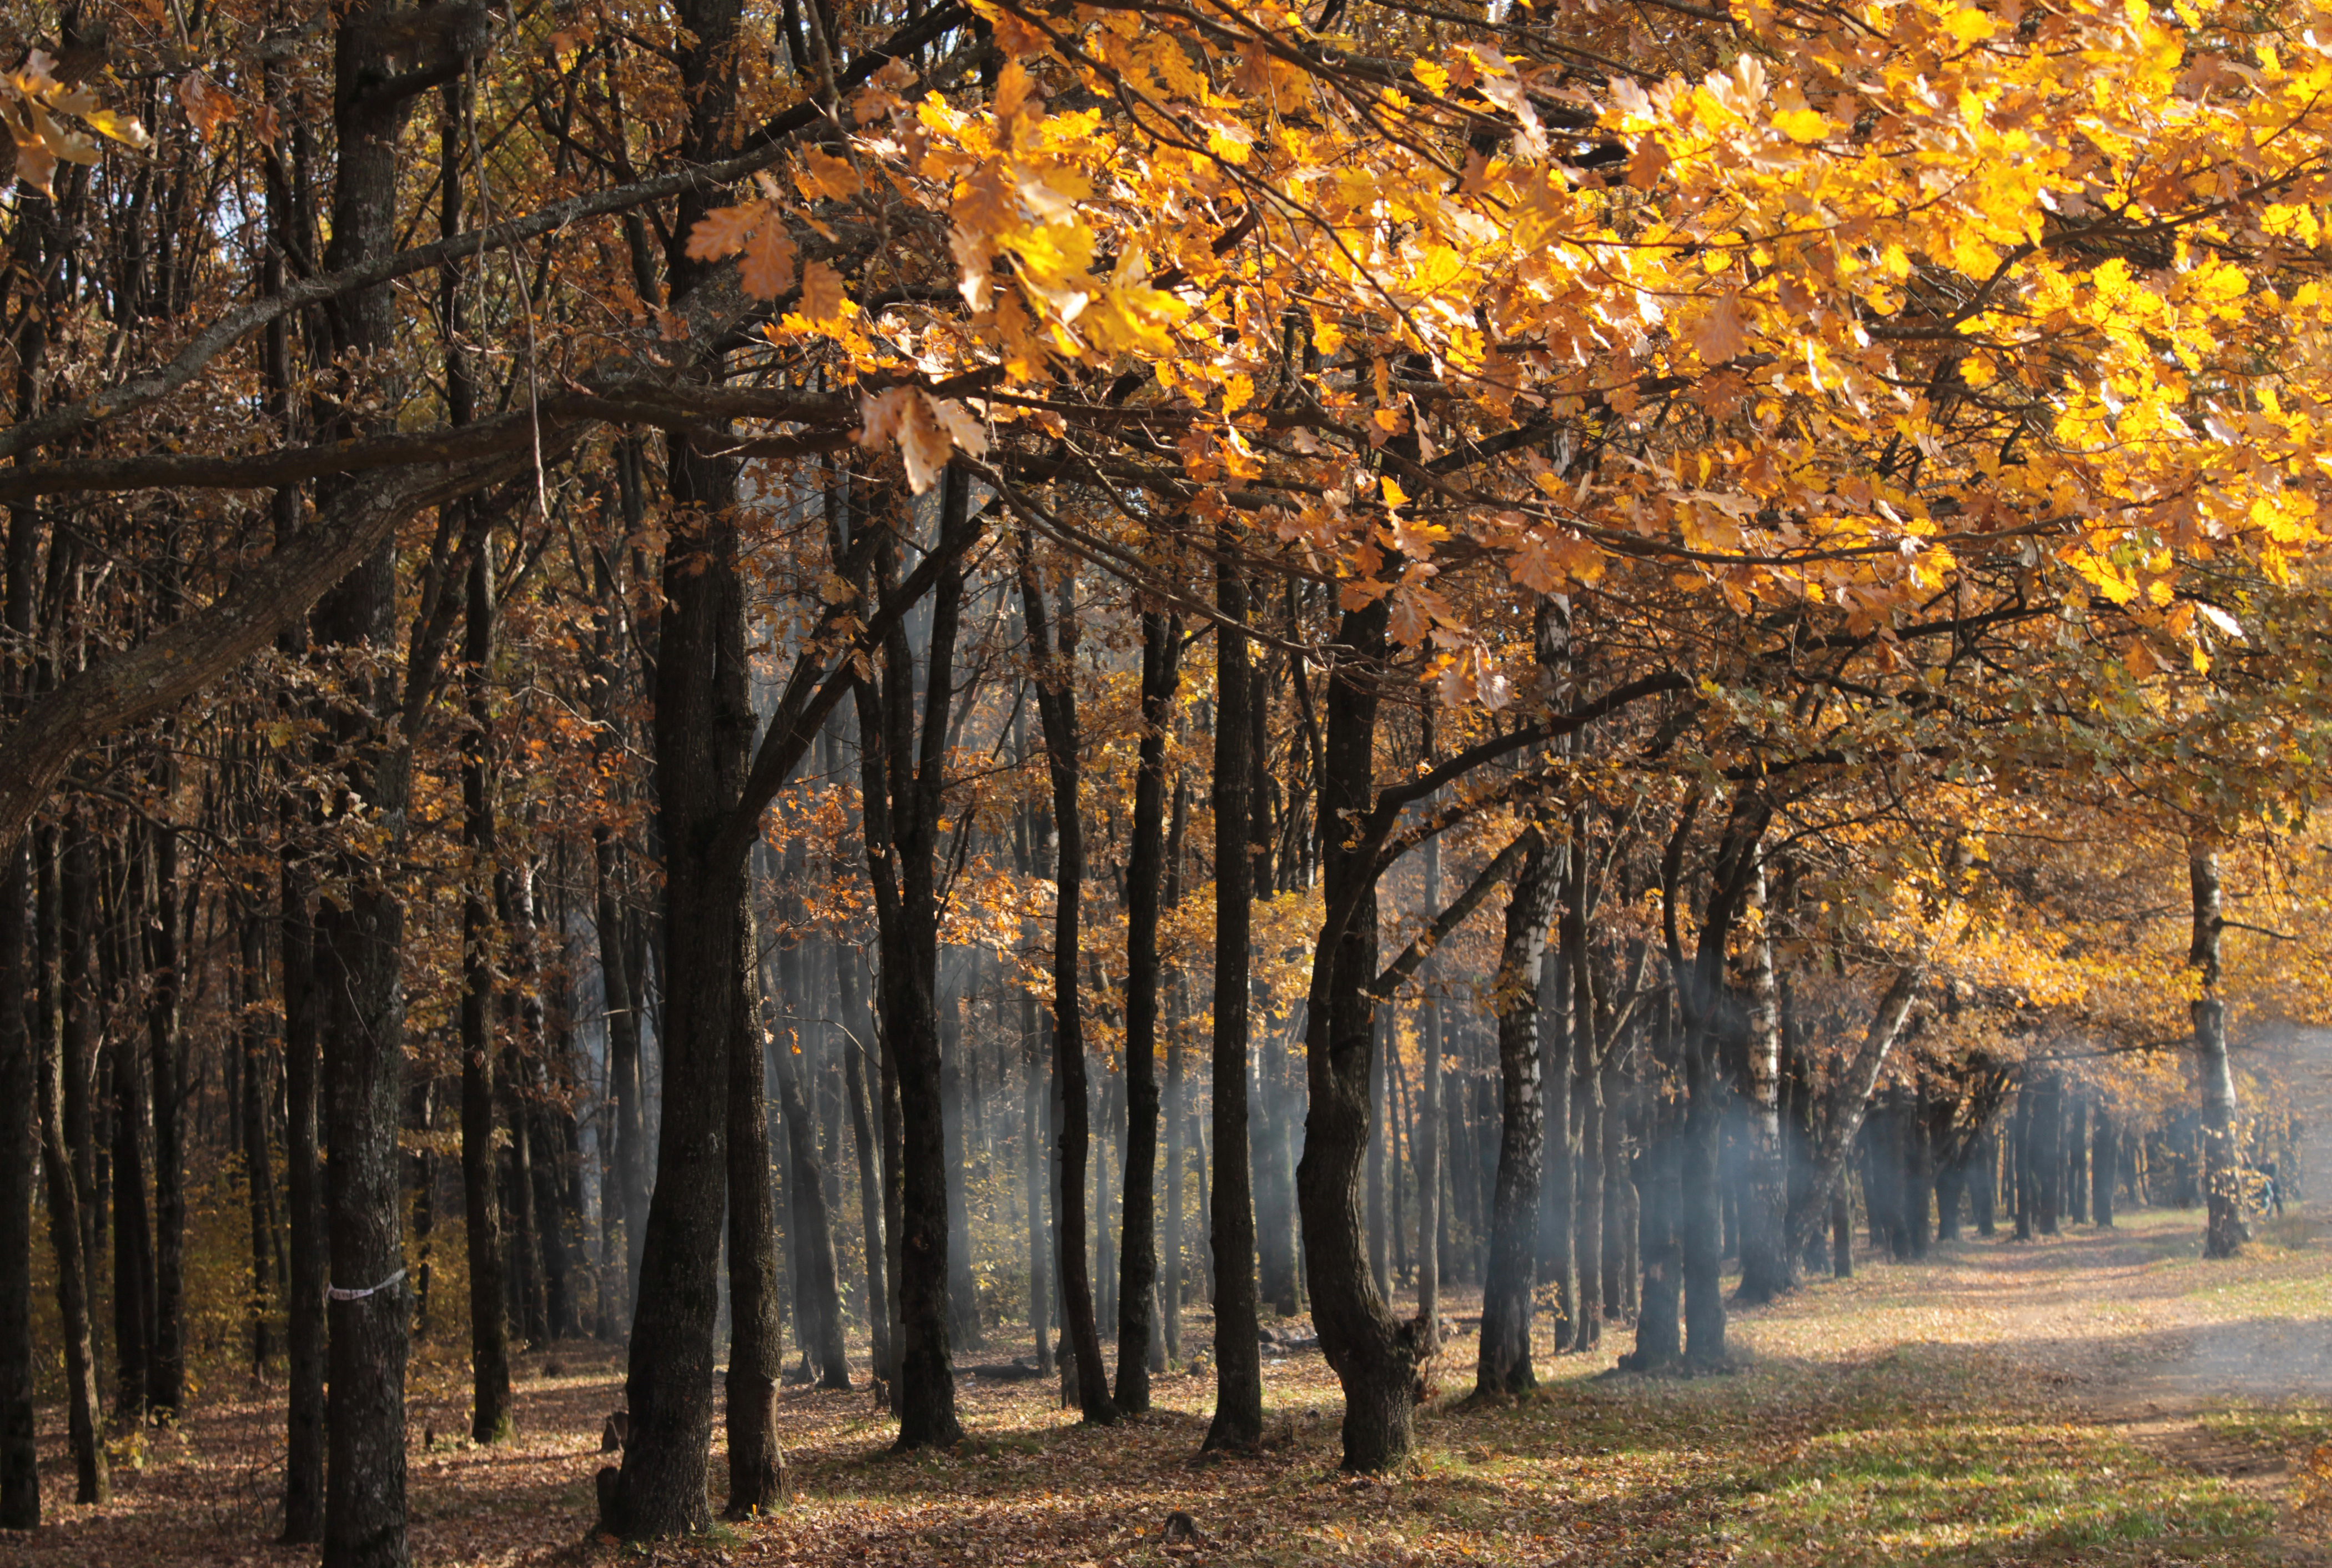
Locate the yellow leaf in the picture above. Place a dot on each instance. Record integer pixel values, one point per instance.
(822, 299)
(1803, 125)
(723, 232)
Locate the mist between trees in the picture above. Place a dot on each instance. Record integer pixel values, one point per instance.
(841, 693)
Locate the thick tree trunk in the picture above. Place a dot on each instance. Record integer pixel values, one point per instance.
(905, 776)
(19, 1476)
(1238, 1422)
(756, 1347)
(1055, 694)
(1659, 1320)
(1146, 873)
(2225, 1230)
(1375, 1357)
(1504, 1364)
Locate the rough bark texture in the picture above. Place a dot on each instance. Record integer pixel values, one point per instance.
(1375, 1357)
(1144, 890)
(1238, 1422)
(1504, 1363)
(2225, 1230)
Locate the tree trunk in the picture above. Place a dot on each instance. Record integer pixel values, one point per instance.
(1375, 1357)
(1176, 1113)
(1659, 1320)
(1238, 1422)
(1768, 1262)
(303, 1187)
(167, 1374)
(703, 722)
(133, 1246)
(490, 1410)
(963, 1290)
(92, 1481)
(2105, 1158)
(1504, 1363)
(756, 1348)
(904, 779)
(1587, 1104)
(1850, 1100)
(1146, 874)
(1056, 692)
(2225, 1230)
(20, 1143)
(1432, 1222)
(870, 1197)
(1558, 1184)
(817, 1288)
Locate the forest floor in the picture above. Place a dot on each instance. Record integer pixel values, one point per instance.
(2100, 1397)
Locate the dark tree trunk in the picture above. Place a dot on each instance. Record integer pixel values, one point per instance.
(905, 777)
(19, 1476)
(167, 1374)
(1659, 1320)
(303, 1186)
(2104, 1162)
(491, 1411)
(2044, 1145)
(1146, 874)
(702, 723)
(258, 1162)
(92, 1481)
(1055, 694)
(133, 1245)
(1176, 1113)
(1375, 1357)
(1238, 1422)
(1372, 1179)
(627, 1198)
(756, 1346)
(1504, 1364)
(2019, 1152)
(1036, 1102)
(2225, 1232)
(1702, 1131)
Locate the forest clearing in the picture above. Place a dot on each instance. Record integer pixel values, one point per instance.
(2101, 1397)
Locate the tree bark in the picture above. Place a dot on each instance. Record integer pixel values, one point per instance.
(303, 1464)
(1375, 1357)
(1146, 873)
(19, 1476)
(1768, 1262)
(2225, 1232)
(1504, 1363)
(167, 1374)
(1055, 694)
(756, 1346)
(490, 1410)
(1238, 1423)
(94, 1482)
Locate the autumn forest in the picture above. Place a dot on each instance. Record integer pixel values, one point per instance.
(1076, 781)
